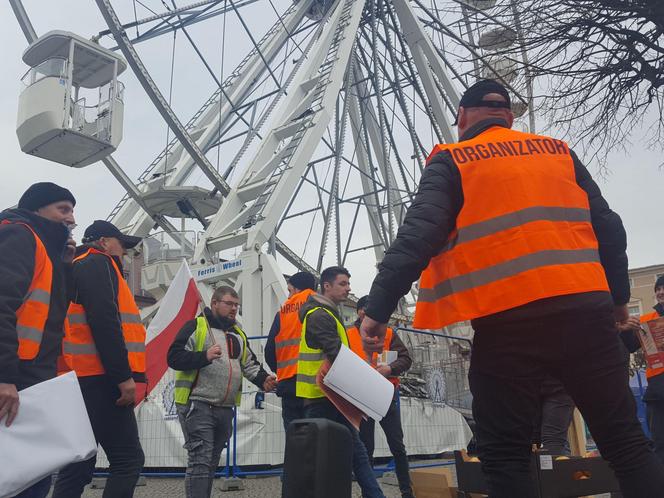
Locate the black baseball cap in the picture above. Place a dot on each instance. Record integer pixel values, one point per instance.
(362, 303)
(101, 228)
(474, 96)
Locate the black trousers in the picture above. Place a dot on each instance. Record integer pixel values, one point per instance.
(116, 431)
(391, 424)
(582, 350)
(654, 398)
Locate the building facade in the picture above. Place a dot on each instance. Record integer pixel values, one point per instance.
(642, 284)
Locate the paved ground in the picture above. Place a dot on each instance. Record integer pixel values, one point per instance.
(265, 487)
(254, 487)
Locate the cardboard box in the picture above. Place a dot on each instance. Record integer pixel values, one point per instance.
(432, 482)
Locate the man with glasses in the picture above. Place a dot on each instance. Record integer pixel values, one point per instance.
(105, 345)
(210, 355)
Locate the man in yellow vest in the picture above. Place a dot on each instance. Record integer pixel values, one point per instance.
(509, 230)
(323, 333)
(35, 255)
(105, 345)
(391, 422)
(283, 344)
(210, 355)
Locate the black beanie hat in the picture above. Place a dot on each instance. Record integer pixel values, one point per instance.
(659, 282)
(42, 194)
(303, 280)
(362, 303)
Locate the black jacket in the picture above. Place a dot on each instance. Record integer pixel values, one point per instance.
(17, 262)
(432, 217)
(96, 289)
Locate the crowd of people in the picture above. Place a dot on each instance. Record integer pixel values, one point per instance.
(508, 230)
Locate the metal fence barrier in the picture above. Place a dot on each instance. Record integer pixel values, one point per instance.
(433, 396)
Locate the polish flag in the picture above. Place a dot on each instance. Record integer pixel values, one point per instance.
(180, 304)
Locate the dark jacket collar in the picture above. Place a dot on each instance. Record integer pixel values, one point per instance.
(218, 322)
(83, 248)
(481, 127)
(659, 308)
(53, 235)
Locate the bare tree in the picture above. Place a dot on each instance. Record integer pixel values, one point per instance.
(597, 65)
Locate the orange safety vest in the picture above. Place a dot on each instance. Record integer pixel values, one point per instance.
(78, 347)
(31, 316)
(523, 233)
(287, 341)
(355, 342)
(651, 372)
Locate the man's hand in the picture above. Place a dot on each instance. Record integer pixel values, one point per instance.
(631, 324)
(270, 384)
(8, 403)
(373, 335)
(621, 313)
(214, 352)
(384, 370)
(70, 251)
(127, 393)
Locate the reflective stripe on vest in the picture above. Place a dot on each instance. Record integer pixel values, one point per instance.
(523, 232)
(651, 372)
(355, 341)
(78, 347)
(186, 379)
(287, 341)
(310, 360)
(32, 315)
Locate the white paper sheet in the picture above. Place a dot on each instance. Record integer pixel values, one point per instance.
(358, 382)
(51, 430)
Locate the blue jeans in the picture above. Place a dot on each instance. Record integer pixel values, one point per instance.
(291, 409)
(361, 467)
(37, 490)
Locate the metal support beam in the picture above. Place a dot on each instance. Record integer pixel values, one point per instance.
(23, 20)
(157, 98)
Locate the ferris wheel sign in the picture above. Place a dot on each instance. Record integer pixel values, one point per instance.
(214, 271)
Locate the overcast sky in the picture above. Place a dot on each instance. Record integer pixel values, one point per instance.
(633, 188)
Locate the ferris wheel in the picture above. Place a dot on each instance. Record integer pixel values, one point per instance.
(309, 148)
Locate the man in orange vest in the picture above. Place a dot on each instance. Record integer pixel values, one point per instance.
(35, 252)
(509, 230)
(283, 344)
(654, 396)
(391, 422)
(105, 345)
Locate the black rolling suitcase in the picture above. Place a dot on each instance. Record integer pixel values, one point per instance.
(318, 460)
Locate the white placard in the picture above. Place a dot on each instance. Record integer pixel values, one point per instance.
(51, 430)
(358, 382)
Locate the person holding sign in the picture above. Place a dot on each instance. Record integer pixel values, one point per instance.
(652, 328)
(323, 333)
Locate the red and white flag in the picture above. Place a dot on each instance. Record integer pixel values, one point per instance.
(180, 304)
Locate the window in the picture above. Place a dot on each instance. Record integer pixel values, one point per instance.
(631, 283)
(634, 309)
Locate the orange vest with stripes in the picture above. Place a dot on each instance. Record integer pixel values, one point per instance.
(31, 316)
(523, 233)
(287, 341)
(355, 342)
(651, 372)
(79, 350)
